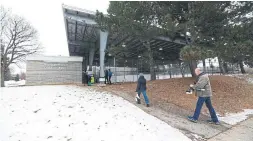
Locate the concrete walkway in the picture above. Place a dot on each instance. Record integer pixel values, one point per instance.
(202, 129)
(241, 132)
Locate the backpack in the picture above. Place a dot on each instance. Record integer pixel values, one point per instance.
(110, 73)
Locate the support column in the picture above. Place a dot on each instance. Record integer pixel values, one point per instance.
(86, 61)
(103, 42)
(91, 56)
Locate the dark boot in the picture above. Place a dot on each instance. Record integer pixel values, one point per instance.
(192, 119)
(147, 105)
(212, 122)
(138, 100)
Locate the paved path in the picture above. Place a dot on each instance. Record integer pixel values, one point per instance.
(241, 132)
(196, 131)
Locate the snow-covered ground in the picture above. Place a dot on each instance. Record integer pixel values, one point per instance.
(234, 118)
(72, 113)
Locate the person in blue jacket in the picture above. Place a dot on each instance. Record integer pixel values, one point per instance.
(141, 88)
(110, 76)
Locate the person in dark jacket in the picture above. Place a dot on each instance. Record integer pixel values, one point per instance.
(85, 80)
(106, 76)
(141, 88)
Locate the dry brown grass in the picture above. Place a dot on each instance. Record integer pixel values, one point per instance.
(230, 94)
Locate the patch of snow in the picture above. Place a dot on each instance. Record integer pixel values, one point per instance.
(250, 80)
(234, 118)
(242, 76)
(197, 137)
(13, 83)
(73, 113)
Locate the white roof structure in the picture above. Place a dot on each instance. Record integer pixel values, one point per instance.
(54, 58)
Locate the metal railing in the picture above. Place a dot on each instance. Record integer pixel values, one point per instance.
(131, 73)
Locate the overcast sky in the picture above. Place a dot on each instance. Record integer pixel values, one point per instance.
(47, 17)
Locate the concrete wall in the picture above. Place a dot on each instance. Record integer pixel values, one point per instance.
(43, 70)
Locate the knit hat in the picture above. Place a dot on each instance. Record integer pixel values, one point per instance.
(141, 74)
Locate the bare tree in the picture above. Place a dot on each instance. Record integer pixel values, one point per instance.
(18, 38)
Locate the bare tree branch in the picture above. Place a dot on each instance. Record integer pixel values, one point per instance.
(17, 64)
(3, 14)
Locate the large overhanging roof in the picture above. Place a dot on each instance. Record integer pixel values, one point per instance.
(81, 30)
(164, 48)
(83, 33)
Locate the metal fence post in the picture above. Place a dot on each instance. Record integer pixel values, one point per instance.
(124, 71)
(232, 68)
(132, 73)
(170, 70)
(115, 72)
(136, 70)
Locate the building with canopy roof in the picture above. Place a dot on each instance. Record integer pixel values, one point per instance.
(85, 39)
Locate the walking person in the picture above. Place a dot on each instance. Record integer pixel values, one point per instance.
(141, 88)
(106, 76)
(85, 78)
(110, 76)
(204, 92)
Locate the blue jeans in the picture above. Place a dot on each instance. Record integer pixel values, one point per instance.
(199, 105)
(144, 95)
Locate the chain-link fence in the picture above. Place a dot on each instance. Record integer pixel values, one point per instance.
(129, 70)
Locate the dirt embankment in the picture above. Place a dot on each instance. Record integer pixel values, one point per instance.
(230, 94)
